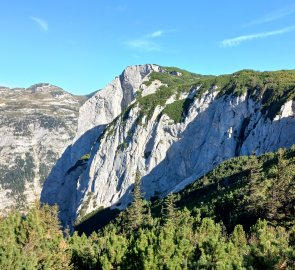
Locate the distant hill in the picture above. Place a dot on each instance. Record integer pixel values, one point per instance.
(36, 126)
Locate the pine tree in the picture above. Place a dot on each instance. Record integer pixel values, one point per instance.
(169, 212)
(135, 210)
(269, 246)
(282, 191)
(148, 220)
(238, 248)
(211, 246)
(34, 241)
(256, 189)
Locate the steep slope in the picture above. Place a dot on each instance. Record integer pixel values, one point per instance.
(36, 125)
(239, 216)
(244, 189)
(179, 127)
(240, 190)
(98, 111)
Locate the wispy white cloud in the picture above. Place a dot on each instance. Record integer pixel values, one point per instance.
(146, 43)
(42, 23)
(237, 40)
(273, 16)
(155, 34)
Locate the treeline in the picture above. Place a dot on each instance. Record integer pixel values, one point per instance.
(177, 232)
(177, 240)
(244, 189)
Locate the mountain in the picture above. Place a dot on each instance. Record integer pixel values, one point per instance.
(172, 127)
(36, 126)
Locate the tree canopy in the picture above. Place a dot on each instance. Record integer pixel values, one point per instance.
(239, 216)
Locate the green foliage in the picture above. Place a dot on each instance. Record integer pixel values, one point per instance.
(134, 213)
(15, 177)
(178, 109)
(244, 189)
(172, 85)
(206, 235)
(34, 241)
(272, 89)
(85, 157)
(194, 243)
(122, 146)
(169, 212)
(96, 219)
(270, 247)
(238, 216)
(167, 77)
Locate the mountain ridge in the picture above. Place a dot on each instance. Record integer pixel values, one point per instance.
(36, 125)
(233, 115)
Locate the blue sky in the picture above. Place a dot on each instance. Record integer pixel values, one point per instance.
(82, 45)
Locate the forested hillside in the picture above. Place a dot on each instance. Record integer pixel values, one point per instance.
(239, 216)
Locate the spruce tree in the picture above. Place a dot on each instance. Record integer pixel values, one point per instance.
(256, 189)
(136, 209)
(281, 197)
(169, 212)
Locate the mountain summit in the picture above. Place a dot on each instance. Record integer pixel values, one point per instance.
(172, 127)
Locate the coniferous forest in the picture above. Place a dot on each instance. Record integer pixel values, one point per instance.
(241, 215)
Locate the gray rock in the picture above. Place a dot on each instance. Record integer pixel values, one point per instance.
(36, 125)
(168, 155)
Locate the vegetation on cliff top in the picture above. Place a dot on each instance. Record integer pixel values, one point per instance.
(272, 89)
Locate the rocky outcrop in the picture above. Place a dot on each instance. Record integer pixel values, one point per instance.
(98, 111)
(36, 125)
(169, 154)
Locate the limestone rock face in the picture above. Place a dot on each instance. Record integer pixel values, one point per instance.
(36, 125)
(106, 105)
(98, 111)
(168, 154)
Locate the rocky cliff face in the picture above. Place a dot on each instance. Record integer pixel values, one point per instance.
(172, 127)
(98, 111)
(36, 125)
